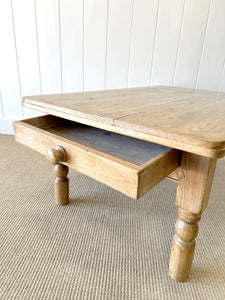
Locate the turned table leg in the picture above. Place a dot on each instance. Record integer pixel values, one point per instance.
(194, 186)
(55, 156)
(183, 246)
(61, 184)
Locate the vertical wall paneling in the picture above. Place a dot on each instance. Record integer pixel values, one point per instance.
(49, 45)
(27, 49)
(71, 15)
(213, 56)
(222, 80)
(9, 76)
(142, 42)
(119, 27)
(130, 42)
(53, 46)
(1, 108)
(191, 42)
(167, 39)
(95, 29)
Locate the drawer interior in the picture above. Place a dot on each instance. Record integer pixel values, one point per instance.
(129, 165)
(124, 147)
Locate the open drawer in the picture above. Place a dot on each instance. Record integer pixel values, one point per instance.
(126, 164)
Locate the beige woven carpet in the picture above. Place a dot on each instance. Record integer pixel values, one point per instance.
(103, 245)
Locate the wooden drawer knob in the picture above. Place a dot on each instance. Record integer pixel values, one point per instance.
(57, 155)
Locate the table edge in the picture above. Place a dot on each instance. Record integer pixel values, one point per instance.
(214, 149)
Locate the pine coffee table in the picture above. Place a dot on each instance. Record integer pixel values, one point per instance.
(131, 139)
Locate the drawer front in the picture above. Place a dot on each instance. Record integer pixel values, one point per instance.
(129, 178)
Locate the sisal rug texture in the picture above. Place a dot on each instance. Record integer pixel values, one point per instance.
(103, 245)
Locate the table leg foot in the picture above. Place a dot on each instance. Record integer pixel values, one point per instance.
(61, 184)
(183, 246)
(195, 180)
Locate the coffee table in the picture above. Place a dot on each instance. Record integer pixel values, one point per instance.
(131, 139)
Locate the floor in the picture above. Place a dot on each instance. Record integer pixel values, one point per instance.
(103, 245)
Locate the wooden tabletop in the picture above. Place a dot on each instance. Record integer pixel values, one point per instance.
(185, 119)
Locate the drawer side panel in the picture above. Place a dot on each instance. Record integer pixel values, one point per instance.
(158, 169)
(118, 176)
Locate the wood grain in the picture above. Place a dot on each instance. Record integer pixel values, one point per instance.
(185, 119)
(126, 148)
(183, 245)
(157, 114)
(174, 176)
(84, 155)
(194, 186)
(56, 155)
(194, 54)
(195, 169)
(61, 184)
(159, 168)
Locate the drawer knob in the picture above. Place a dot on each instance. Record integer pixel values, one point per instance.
(57, 155)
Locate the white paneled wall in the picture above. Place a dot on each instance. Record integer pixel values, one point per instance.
(213, 54)
(145, 16)
(191, 42)
(168, 32)
(9, 68)
(71, 31)
(26, 50)
(49, 46)
(54, 46)
(95, 33)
